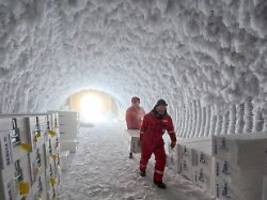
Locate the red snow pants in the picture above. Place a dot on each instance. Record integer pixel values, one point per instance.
(160, 157)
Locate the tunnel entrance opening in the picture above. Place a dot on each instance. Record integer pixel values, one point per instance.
(93, 106)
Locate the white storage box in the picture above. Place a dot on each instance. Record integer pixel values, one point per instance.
(202, 144)
(68, 133)
(21, 138)
(243, 183)
(64, 160)
(245, 151)
(22, 175)
(38, 163)
(7, 189)
(37, 131)
(55, 122)
(203, 179)
(68, 124)
(39, 189)
(205, 172)
(228, 167)
(7, 184)
(6, 159)
(187, 161)
(226, 190)
(53, 145)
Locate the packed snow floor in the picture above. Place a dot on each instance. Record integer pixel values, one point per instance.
(101, 169)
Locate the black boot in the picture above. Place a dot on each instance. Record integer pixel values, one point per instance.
(142, 173)
(130, 155)
(160, 184)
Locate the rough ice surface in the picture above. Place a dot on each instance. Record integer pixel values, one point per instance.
(207, 58)
(87, 176)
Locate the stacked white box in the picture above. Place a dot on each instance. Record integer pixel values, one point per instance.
(35, 128)
(204, 171)
(194, 160)
(22, 174)
(240, 166)
(52, 150)
(53, 176)
(16, 171)
(38, 167)
(7, 171)
(186, 161)
(68, 123)
(39, 190)
(31, 156)
(237, 183)
(21, 146)
(64, 159)
(229, 167)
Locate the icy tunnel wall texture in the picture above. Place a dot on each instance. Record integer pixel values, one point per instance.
(206, 57)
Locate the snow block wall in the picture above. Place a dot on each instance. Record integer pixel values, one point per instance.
(206, 58)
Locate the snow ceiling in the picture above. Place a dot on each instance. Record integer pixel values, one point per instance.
(203, 56)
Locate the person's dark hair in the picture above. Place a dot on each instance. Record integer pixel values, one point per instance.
(160, 102)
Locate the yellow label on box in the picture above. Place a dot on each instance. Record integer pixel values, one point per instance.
(24, 188)
(26, 147)
(54, 157)
(37, 134)
(52, 133)
(53, 181)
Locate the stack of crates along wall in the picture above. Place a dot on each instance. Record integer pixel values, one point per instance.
(38, 130)
(240, 163)
(22, 150)
(7, 171)
(69, 128)
(195, 161)
(53, 163)
(228, 167)
(30, 166)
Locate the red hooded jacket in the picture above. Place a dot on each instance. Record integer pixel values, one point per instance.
(153, 128)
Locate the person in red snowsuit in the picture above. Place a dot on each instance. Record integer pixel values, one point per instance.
(153, 127)
(134, 116)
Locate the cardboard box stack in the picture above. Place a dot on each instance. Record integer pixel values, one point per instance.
(69, 128)
(29, 161)
(240, 164)
(228, 167)
(52, 151)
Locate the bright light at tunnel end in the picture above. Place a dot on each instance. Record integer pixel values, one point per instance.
(91, 109)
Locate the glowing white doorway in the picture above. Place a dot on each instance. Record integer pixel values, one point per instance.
(91, 109)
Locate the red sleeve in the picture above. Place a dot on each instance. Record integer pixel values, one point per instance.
(143, 127)
(171, 131)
